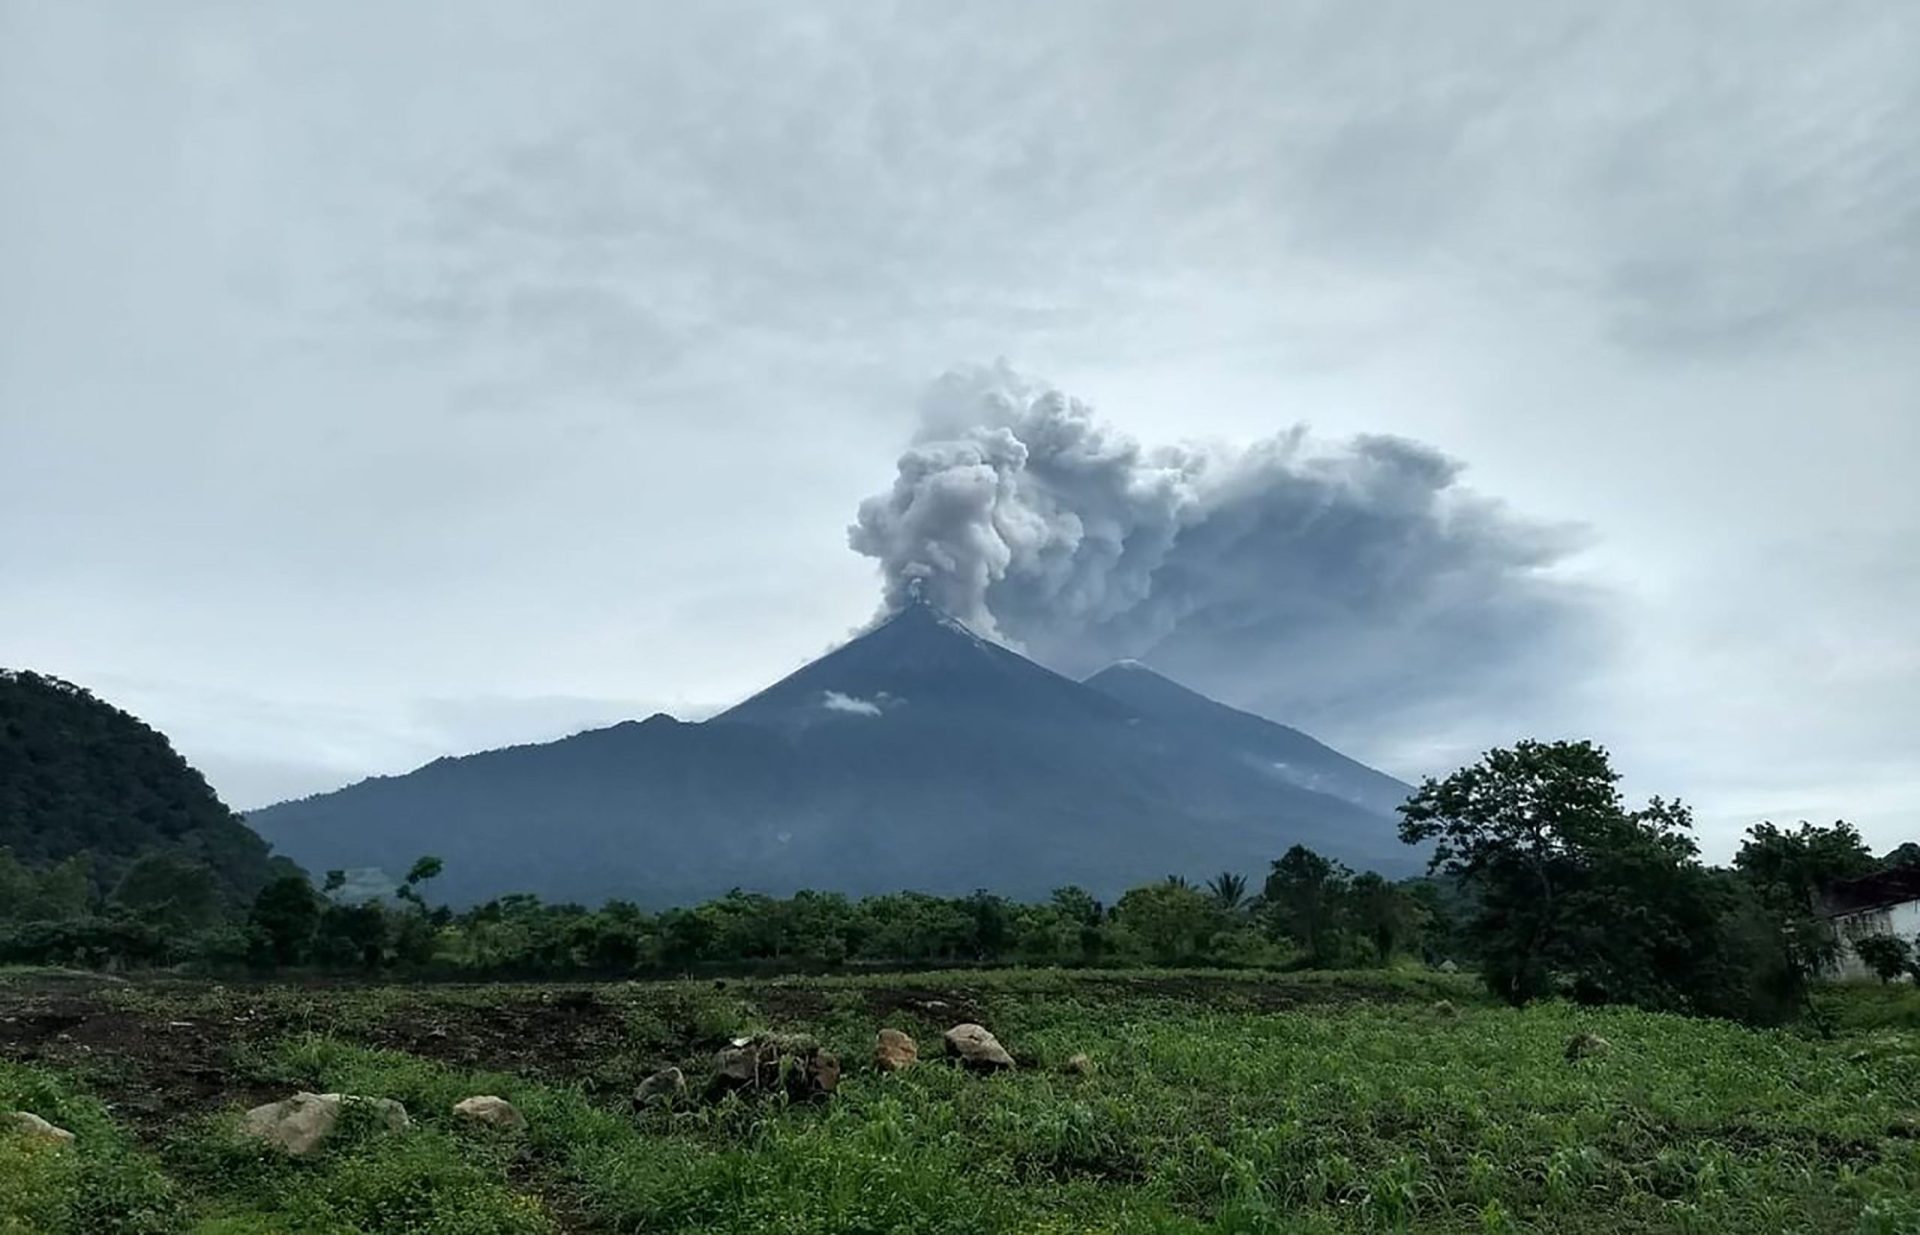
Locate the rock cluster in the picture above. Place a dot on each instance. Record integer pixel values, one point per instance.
(793, 1063)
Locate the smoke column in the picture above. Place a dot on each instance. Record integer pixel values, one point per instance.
(1319, 584)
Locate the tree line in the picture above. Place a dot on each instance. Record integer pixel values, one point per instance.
(1542, 879)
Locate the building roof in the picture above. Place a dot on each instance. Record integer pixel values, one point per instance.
(1879, 890)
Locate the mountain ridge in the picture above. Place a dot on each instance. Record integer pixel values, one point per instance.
(915, 755)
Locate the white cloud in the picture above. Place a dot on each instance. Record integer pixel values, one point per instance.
(834, 701)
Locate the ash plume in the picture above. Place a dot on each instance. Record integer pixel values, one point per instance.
(1320, 584)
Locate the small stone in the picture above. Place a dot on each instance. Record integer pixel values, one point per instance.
(823, 1073)
(894, 1051)
(1444, 1008)
(1447, 966)
(668, 1083)
(1078, 1065)
(26, 1123)
(1587, 1046)
(494, 1112)
(979, 1050)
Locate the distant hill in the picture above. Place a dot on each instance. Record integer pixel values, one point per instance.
(77, 774)
(918, 755)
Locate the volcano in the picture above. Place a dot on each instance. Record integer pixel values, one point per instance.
(919, 755)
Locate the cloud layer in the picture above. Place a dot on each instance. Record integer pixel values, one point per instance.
(357, 412)
(1322, 583)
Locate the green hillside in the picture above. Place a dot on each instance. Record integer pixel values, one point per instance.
(78, 775)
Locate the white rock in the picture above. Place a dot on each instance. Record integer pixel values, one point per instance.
(29, 1124)
(491, 1111)
(973, 1046)
(299, 1124)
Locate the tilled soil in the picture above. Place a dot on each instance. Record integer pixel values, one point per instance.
(161, 1050)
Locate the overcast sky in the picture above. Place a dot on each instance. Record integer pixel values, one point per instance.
(384, 381)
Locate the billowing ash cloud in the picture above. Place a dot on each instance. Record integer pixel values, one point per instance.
(1323, 585)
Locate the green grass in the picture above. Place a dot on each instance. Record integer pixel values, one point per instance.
(1860, 1006)
(1359, 1107)
(100, 1184)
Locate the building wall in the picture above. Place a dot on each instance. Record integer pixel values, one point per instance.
(1902, 920)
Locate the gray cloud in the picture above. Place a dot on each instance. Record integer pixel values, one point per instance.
(1323, 584)
(340, 386)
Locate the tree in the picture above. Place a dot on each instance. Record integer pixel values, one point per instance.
(1085, 914)
(354, 935)
(1887, 956)
(1076, 904)
(1784, 872)
(1171, 920)
(171, 893)
(287, 913)
(60, 892)
(1907, 854)
(423, 870)
(1387, 916)
(1568, 879)
(992, 924)
(1798, 864)
(1304, 898)
(1229, 891)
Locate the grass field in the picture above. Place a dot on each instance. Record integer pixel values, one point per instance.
(1219, 1102)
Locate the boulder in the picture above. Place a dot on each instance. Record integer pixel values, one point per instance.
(1447, 966)
(1587, 1046)
(299, 1124)
(1444, 1008)
(791, 1063)
(668, 1083)
(1078, 1065)
(894, 1051)
(490, 1111)
(977, 1049)
(25, 1123)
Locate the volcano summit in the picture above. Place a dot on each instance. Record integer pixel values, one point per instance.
(918, 755)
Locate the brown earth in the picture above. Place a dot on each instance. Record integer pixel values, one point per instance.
(160, 1050)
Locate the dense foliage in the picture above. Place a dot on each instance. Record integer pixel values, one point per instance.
(1542, 878)
(80, 776)
(1578, 894)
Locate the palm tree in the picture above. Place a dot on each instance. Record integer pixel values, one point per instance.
(1229, 890)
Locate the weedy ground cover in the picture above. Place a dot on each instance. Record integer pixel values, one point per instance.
(1217, 1103)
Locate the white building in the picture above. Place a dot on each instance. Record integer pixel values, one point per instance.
(1884, 903)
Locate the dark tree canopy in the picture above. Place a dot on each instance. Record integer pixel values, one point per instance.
(1798, 862)
(1886, 956)
(1572, 885)
(78, 775)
